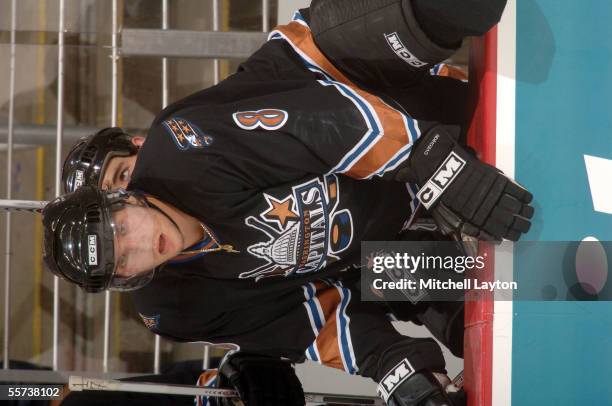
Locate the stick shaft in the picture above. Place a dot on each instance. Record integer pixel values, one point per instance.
(78, 383)
(458, 381)
(34, 206)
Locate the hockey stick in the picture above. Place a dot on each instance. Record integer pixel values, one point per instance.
(458, 380)
(33, 206)
(79, 383)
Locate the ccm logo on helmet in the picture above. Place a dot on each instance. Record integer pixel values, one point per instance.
(79, 179)
(394, 378)
(92, 250)
(400, 50)
(441, 179)
(268, 119)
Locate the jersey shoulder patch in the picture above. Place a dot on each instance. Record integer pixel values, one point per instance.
(151, 322)
(186, 135)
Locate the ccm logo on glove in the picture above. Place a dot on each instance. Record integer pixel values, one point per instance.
(394, 378)
(441, 179)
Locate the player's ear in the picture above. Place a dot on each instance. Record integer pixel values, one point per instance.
(138, 140)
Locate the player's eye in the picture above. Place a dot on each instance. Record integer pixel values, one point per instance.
(122, 229)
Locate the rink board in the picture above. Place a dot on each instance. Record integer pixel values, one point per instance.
(553, 111)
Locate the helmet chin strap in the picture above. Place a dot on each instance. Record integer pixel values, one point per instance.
(218, 246)
(122, 195)
(154, 206)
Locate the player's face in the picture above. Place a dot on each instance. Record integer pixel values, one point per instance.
(118, 172)
(144, 239)
(119, 169)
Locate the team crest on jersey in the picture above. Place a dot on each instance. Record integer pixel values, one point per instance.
(268, 119)
(150, 322)
(305, 230)
(187, 135)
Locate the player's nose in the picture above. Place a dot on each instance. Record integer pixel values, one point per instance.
(133, 242)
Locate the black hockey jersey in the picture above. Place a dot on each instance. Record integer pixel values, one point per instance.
(286, 161)
(298, 318)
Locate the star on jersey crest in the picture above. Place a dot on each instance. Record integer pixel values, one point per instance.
(280, 210)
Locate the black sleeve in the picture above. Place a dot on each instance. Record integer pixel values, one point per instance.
(447, 22)
(377, 346)
(377, 43)
(357, 336)
(386, 43)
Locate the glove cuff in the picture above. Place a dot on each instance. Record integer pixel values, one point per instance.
(422, 388)
(428, 153)
(441, 179)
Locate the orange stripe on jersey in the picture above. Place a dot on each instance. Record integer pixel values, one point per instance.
(206, 377)
(319, 286)
(452, 72)
(327, 340)
(205, 380)
(301, 37)
(394, 132)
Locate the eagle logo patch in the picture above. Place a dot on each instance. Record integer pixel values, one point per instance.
(268, 119)
(187, 135)
(150, 322)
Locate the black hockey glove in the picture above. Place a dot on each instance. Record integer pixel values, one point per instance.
(423, 389)
(260, 381)
(465, 196)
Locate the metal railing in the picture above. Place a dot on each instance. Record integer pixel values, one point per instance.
(234, 45)
(9, 188)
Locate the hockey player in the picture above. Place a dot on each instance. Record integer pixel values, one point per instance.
(105, 159)
(436, 98)
(304, 316)
(358, 135)
(273, 161)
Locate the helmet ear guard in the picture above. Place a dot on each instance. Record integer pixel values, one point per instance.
(87, 160)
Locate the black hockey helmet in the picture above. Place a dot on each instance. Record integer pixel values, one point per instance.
(79, 239)
(88, 158)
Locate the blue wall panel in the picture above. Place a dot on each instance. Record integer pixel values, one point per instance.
(562, 351)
